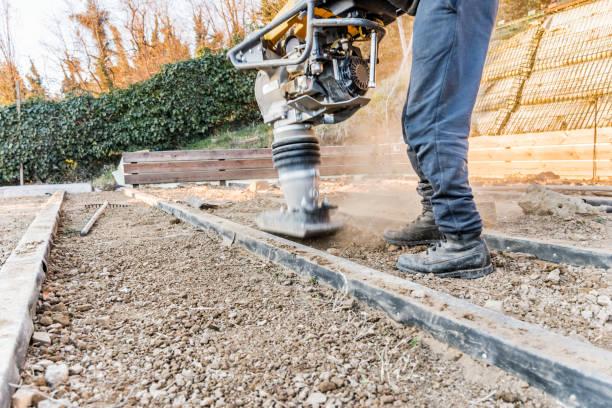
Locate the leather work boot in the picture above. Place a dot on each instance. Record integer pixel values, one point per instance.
(465, 257)
(422, 231)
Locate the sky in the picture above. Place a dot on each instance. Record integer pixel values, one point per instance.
(34, 27)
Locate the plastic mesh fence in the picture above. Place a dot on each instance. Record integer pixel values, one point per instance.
(551, 75)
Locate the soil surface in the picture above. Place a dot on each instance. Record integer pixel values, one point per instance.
(16, 214)
(148, 311)
(573, 301)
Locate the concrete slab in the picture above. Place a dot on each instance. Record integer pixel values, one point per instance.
(576, 373)
(43, 189)
(21, 277)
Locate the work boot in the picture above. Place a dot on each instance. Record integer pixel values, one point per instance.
(465, 257)
(422, 231)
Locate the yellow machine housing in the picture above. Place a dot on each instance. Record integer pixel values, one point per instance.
(298, 24)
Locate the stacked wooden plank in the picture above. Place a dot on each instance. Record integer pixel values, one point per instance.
(249, 164)
(566, 153)
(569, 154)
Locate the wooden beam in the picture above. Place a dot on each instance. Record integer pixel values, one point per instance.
(93, 219)
(378, 169)
(196, 155)
(195, 176)
(566, 168)
(541, 153)
(187, 166)
(569, 137)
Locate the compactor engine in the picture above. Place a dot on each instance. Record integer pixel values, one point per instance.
(311, 71)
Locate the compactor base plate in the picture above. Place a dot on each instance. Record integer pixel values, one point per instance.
(296, 225)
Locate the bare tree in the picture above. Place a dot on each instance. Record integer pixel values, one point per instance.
(221, 23)
(9, 75)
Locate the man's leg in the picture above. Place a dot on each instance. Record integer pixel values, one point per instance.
(422, 230)
(451, 39)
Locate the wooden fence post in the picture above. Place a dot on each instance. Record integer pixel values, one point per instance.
(18, 91)
(595, 143)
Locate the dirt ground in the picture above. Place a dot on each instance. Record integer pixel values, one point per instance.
(573, 301)
(16, 214)
(148, 311)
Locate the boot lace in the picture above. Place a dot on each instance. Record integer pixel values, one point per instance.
(434, 247)
(417, 219)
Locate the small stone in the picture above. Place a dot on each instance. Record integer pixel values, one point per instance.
(156, 393)
(388, 399)
(393, 248)
(41, 337)
(75, 369)
(316, 399)
(175, 221)
(188, 374)
(338, 381)
(179, 381)
(208, 402)
(59, 307)
(587, 314)
(45, 363)
(258, 185)
(326, 386)
(507, 396)
(333, 251)
(603, 300)
(51, 404)
(56, 374)
(46, 321)
(418, 293)
(39, 381)
(348, 304)
(554, 276)
(23, 397)
(103, 322)
(603, 316)
(179, 401)
(61, 319)
(495, 305)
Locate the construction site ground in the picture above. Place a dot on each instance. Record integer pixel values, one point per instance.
(562, 298)
(149, 311)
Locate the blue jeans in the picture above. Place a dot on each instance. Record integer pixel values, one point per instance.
(451, 39)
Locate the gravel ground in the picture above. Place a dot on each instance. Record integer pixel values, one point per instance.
(16, 214)
(572, 301)
(147, 311)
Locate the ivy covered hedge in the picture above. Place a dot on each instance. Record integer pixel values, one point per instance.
(74, 138)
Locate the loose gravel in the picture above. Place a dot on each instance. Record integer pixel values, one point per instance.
(16, 214)
(573, 301)
(148, 311)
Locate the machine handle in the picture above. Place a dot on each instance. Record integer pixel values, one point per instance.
(311, 22)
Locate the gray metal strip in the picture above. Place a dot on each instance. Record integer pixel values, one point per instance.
(550, 252)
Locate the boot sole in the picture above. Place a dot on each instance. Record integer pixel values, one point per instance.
(410, 243)
(462, 274)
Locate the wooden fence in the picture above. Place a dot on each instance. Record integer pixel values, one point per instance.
(569, 154)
